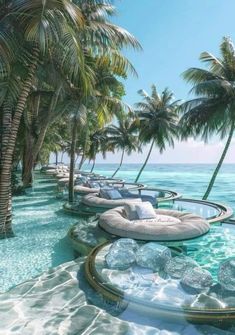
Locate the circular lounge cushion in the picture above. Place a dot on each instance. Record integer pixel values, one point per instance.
(94, 200)
(84, 189)
(181, 226)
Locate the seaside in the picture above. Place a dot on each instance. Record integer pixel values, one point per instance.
(190, 180)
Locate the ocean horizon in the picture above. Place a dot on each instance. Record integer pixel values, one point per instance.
(190, 180)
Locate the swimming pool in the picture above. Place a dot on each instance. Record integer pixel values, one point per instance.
(62, 294)
(40, 227)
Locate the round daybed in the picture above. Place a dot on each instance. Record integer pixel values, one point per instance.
(93, 200)
(176, 226)
(82, 190)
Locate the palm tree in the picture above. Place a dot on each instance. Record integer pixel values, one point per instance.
(63, 31)
(212, 112)
(158, 120)
(78, 121)
(98, 143)
(123, 136)
(30, 30)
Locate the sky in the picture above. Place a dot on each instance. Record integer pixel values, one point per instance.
(173, 33)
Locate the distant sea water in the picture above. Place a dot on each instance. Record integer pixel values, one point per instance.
(190, 180)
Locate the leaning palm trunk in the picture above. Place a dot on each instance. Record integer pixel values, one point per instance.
(213, 178)
(28, 163)
(93, 165)
(146, 161)
(72, 161)
(7, 157)
(123, 151)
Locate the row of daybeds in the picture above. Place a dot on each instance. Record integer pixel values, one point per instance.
(138, 251)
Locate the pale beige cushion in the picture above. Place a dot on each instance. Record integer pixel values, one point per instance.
(84, 189)
(93, 200)
(115, 222)
(145, 210)
(114, 194)
(130, 209)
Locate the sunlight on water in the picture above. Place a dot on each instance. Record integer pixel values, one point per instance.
(40, 243)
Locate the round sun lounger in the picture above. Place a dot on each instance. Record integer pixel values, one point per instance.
(180, 226)
(82, 190)
(93, 200)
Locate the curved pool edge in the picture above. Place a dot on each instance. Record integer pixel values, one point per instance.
(225, 212)
(221, 317)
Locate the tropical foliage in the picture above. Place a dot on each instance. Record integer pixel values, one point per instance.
(158, 121)
(123, 136)
(49, 52)
(212, 112)
(62, 74)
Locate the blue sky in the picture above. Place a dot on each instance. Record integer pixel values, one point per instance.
(173, 33)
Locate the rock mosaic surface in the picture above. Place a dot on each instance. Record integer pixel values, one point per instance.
(226, 274)
(177, 266)
(197, 280)
(153, 256)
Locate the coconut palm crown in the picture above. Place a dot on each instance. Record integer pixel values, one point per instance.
(212, 111)
(123, 136)
(158, 120)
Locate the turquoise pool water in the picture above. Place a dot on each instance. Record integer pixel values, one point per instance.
(41, 226)
(40, 243)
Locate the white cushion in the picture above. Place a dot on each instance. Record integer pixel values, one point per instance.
(145, 211)
(130, 209)
(104, 193)
(114, 194)
(93, 184)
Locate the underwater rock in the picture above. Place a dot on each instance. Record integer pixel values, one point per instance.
(120, 258)
(226, 274)
(196, 280)
(176, 267)
(125, 243)
(205, 301)
(121, 254)
(153, 256)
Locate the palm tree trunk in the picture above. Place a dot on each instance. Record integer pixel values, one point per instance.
(93, 165)
(5, 173)
(213, 178)
(123, 151)
(56, 157)
(146, 161)
(82, 161)
(72, 161)
(28, 163)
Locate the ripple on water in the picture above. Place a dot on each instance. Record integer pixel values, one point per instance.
(40, 241)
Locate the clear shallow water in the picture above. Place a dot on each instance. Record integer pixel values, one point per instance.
(40, 243)
(41, 226)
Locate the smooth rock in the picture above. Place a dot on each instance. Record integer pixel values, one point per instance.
(153, 256)
(120, 258)
(226, 274)
(125, 243)
(176, 267)
(196, 280)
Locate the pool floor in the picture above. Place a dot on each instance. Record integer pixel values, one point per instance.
(60, 302)
(40, 226)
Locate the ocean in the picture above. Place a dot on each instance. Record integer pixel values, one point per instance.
(190, 180)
